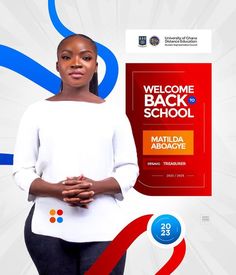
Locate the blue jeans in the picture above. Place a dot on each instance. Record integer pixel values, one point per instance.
(54, 256)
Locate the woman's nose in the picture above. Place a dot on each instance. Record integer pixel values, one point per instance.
(76, 63)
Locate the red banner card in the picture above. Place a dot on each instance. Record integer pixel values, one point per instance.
(169, 107)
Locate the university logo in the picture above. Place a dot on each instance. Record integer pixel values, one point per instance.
(142, 41)
(154, 40)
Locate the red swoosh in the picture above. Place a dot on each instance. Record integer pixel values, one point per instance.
(110, 257)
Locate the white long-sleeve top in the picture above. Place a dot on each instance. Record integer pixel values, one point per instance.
(58, 139)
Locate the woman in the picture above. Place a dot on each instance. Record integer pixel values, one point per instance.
(74, 156)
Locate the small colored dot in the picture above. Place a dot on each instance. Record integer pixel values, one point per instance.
(59, 212)
(60, 219)
(52, 220)
(52, 212)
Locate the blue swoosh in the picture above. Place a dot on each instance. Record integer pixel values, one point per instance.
(109, 58)
(24, 65)
(27, 67)
(6, 159)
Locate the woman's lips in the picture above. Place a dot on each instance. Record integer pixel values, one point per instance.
(76, 74)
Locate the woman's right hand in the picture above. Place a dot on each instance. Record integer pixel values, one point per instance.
(77, 191)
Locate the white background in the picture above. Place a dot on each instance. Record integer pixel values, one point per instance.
(25, 25)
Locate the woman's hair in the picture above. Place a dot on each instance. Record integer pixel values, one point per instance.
(93, 84)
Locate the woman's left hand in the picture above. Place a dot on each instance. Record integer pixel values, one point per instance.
(78, 191)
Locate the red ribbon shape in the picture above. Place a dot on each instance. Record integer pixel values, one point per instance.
(110, 257)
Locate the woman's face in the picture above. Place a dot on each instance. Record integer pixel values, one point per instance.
(77, 62)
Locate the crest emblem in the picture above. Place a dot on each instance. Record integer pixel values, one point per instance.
(142, 41)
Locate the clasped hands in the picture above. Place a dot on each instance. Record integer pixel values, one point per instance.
(78, 191)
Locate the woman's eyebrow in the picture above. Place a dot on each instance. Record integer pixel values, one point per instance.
(81, 51)
(69, 51)
(85, 51)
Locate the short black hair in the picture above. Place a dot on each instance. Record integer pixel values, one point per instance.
(79, 35)
(93, 85)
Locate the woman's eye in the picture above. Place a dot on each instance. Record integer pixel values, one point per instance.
(87, 58)
(65, 57)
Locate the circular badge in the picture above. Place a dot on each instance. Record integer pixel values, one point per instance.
(192, 100)
(154, 40)
(165, 230)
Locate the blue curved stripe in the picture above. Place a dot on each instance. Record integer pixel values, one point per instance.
(6, 159)
(112, 69)
(27, 67)
(56, 21)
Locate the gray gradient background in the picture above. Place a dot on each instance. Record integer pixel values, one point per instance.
(25, 26)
